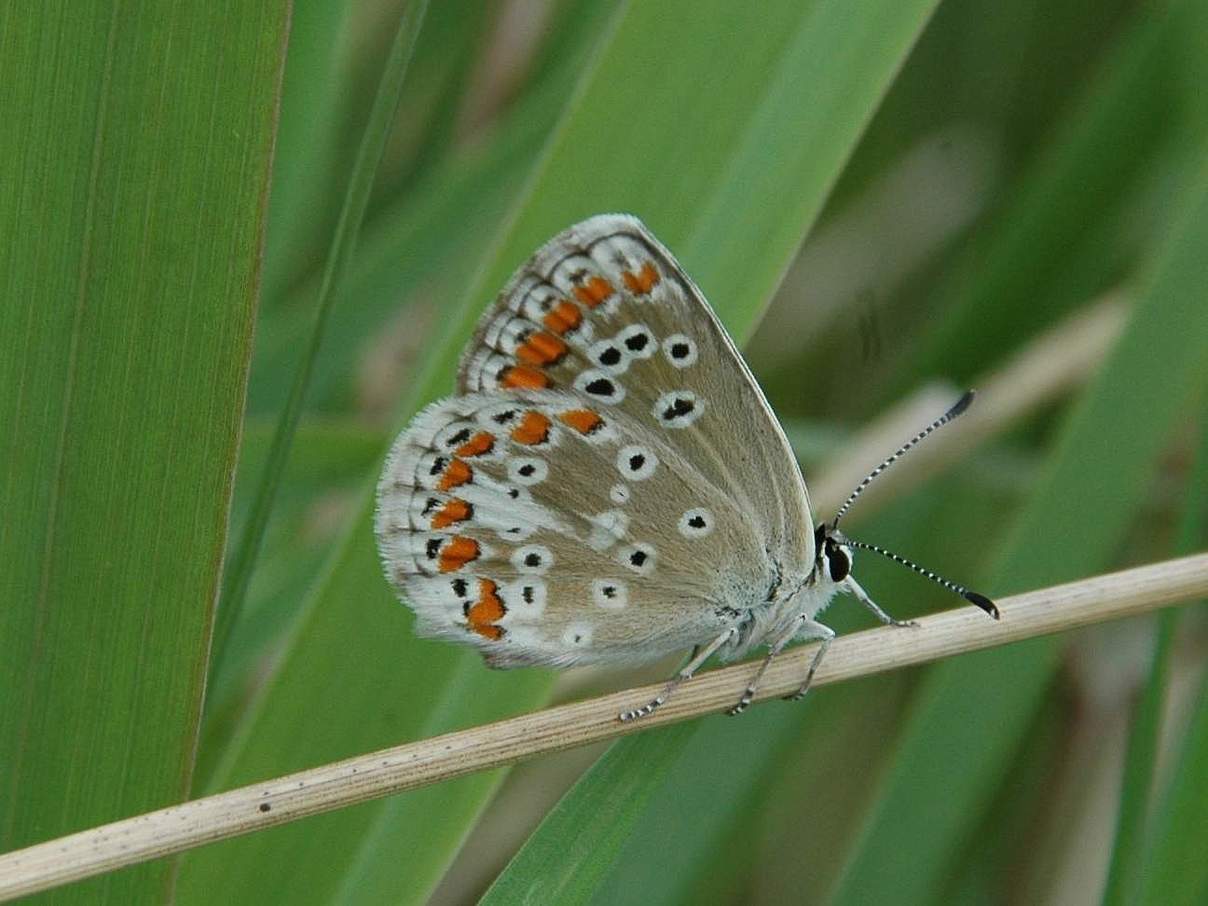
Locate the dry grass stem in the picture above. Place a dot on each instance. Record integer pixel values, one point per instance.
(428, 761)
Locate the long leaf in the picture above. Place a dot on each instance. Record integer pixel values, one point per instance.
(1091, 492)
(238, 574)
(1068, 200)
(1175, 871)
(560, 863)
(136, 152)
(1137, 786)
(306, 170)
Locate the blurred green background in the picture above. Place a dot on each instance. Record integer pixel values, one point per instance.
(878, 197)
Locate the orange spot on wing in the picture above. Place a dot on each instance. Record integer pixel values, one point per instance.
(563, 317)
(533, 429)
(582, 420)
(480, 443)
(541, 349)
(456, 473)
(488, 609)
(454, 511)
(457, 553)
(594, 291)
(643, 281)
(521, 377)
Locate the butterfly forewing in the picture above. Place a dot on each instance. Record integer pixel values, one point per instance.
(611, 484)
(605, 309)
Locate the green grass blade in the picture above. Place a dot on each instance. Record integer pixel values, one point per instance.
(1137, 782)
(308, 166)
(1176, 872)
(1091, 492)
(414, 250)
(1066, 204)
(136, 153)
(322, 480)
(416, 247)
(343, 245)
(322, 706)
(718, 796)
(442, 69)
(560, 863)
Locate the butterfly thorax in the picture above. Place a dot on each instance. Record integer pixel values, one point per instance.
(794, 596)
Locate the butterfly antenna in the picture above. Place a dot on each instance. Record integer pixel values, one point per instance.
(971, 596)
(960, 406)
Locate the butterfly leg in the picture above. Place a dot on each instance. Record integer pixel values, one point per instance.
(856, 590)
(813, 630)
(699, 656)
(803, 627)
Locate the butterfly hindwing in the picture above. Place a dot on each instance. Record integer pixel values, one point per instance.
(542, 530)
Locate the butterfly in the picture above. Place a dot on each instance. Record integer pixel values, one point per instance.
(609, 484)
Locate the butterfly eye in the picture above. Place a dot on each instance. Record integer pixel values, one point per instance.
(696, 523)
(838, 562)
(680, 350)
(636, 463)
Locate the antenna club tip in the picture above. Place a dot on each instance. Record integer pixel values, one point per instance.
(962, 404)
(983, 602)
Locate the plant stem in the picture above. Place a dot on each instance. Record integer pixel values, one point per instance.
(429, 761)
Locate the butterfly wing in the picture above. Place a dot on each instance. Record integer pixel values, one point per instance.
(611, 485)
(605, 309)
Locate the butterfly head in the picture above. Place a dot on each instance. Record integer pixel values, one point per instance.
(834, 550)
(833, 554)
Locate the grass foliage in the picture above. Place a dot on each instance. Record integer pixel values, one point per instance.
(873, 194)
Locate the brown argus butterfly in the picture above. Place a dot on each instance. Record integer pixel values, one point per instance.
(609, 484)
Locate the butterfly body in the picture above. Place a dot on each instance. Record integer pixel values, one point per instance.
(609, 484)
